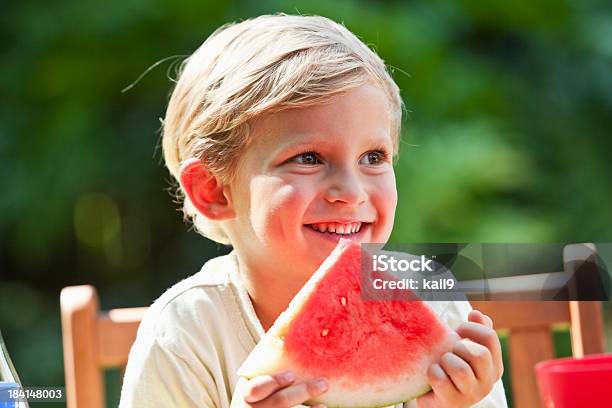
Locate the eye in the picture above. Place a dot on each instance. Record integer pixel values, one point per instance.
(307, 158)
(374, 158)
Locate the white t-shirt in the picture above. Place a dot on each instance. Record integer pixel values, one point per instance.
(196, 335)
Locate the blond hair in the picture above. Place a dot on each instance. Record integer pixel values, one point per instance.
(261, 65)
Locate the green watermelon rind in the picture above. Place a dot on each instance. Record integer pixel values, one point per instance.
(420, 393)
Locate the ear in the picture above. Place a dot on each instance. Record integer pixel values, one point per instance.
(205, 191)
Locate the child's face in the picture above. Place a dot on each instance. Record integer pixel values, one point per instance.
(312, 169)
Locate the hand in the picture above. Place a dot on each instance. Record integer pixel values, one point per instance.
(276, 391)
(466, 375)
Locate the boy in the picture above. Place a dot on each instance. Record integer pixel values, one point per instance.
(281, 131)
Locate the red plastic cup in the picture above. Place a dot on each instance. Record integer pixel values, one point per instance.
(576, 382)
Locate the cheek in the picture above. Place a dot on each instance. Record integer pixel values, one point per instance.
(275, 206)
(385, 200)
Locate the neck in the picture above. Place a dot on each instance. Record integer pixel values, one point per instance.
(270, 290)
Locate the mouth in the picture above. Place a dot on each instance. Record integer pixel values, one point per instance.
(336, 230)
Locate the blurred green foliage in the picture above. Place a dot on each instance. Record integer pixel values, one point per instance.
(507, 139)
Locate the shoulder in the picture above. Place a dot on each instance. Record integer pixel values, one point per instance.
(183, 341)
(451, 312)
(191, 307)
(197, 288)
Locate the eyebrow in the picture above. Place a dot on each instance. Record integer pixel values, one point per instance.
(321, 140)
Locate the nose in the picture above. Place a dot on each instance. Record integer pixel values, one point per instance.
(345, 187)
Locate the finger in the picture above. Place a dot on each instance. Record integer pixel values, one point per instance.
(442, 386)
(460, 372)
(478, 357)
(428, 400)
(478, 317)
(487, 337)
(295, 394)
(261, 387)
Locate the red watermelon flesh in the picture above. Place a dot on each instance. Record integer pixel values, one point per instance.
(373, 353)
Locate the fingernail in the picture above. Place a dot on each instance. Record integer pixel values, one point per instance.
(436, 370)
(470, 345)
(321, 385)
(465, 342)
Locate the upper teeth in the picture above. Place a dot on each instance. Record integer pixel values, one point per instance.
(337, 228)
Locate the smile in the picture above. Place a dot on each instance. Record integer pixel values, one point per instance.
(337, 228)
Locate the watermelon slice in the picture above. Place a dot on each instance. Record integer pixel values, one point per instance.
(372, 353)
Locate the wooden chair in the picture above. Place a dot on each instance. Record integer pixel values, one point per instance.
(94, 340)
(528, 325)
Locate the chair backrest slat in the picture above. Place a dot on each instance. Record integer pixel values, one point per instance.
(586, 328)
(508, 314)
(117, 332)
(527, 347)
